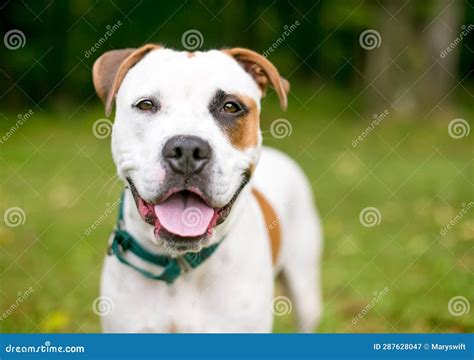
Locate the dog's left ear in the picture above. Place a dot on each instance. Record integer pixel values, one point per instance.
(110, 69)
(262, 71)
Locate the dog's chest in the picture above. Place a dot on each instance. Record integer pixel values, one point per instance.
(183, 307)
(230, 292)
(216, 297)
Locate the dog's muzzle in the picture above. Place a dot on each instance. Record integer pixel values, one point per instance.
(184, 208)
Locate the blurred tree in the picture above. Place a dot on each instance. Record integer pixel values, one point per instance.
(443, 31)
(408, 71)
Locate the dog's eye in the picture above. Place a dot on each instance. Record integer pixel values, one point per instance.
(231, 107)
(145, 105)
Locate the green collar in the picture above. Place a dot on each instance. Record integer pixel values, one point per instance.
(122, 241)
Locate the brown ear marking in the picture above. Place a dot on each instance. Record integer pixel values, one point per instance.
(110, 69)
(263, 72)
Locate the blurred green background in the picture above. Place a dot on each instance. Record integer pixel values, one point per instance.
(415, 167)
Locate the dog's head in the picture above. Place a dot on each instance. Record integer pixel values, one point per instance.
(186, 135)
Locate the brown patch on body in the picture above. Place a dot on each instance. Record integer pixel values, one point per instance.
(272, 224)
(244, 133)
(190, 54)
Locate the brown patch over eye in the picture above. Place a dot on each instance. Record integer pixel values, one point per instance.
(238, 117)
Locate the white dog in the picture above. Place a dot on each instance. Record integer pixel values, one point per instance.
(204, 230)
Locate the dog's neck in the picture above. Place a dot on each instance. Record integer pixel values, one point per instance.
(144, 232)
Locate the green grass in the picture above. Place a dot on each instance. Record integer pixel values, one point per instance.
(412, 171)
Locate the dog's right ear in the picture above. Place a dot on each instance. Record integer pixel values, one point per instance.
(262, 71)
(110, 69)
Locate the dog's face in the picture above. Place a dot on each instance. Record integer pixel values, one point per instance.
(186, 135)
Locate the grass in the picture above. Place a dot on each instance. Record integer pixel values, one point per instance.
(412, 171)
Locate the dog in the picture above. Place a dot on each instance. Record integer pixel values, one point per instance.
(209, 216)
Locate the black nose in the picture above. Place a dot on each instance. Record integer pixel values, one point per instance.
(186, 154)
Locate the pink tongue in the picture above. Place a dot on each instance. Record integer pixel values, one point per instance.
(184, 214)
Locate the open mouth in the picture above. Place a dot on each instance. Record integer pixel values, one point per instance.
(182, 214)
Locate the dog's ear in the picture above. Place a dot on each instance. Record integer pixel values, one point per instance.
(263, 72)
(110, 69)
